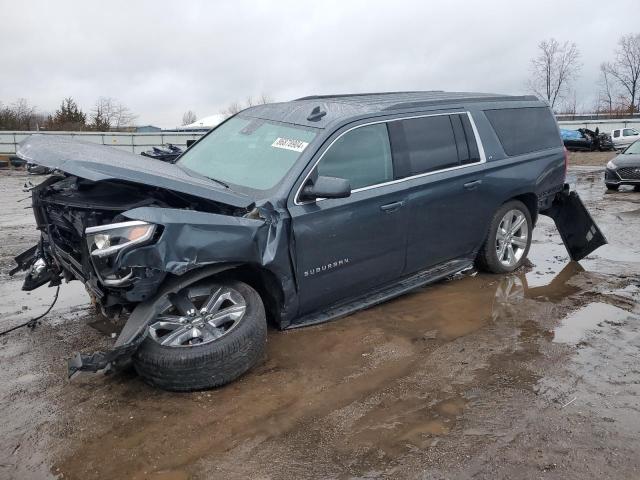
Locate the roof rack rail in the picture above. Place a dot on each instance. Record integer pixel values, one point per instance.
(423, 103)
(341, 95)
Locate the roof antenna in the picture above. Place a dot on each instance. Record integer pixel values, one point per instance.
(316, 114)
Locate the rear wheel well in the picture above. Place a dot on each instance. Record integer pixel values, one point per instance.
(530, 201)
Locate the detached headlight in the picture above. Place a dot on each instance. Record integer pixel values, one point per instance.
(106, 240)
(611, 165)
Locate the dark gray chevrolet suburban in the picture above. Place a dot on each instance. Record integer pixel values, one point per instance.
(296, 212)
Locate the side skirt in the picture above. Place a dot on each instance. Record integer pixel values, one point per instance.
(380, 295)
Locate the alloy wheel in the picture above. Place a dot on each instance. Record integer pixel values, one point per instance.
(198, 315)
(512, 237)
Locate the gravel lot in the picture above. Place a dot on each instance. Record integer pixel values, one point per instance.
(531, 375)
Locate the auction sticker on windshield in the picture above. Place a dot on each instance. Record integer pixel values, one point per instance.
(290, 144)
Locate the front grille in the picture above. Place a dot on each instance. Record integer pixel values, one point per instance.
(629, 173)
(63, 233)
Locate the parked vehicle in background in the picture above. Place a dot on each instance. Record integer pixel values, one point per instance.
(299, 212)
(584, 139)
(624, 169)
(623, 137)
(34, 169)
(165, 154)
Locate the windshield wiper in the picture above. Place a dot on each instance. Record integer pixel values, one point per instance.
(199, 175)
(225, 185)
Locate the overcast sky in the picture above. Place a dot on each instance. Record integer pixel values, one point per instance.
(162, 58)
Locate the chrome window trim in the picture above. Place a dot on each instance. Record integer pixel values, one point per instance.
(474, 128)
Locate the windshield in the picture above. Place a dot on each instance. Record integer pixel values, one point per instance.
(251, 153)
(634, 148)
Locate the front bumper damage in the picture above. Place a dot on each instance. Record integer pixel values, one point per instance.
(191, 245)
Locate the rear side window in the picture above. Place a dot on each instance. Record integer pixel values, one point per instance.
(432, 143)
(629, 132)
(616, 133)
(362, 156)
(423, 144)
(524, 130)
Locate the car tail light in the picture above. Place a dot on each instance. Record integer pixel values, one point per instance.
(566, 161)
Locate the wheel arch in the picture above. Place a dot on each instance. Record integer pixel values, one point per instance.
(530, 201)
(263, 281)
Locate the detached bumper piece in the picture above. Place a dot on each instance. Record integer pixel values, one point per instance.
(39, 271)
(102, 360)
(579, 232)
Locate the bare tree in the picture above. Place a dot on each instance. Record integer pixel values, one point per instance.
(626, 69)
(264, 98)
(232, 109)
(569, 105)
(553, 70)
(109, 114)
(606, 93)
(236, 107)
(22, 116)
(188, 117)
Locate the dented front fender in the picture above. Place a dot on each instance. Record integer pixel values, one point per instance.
(192, 239)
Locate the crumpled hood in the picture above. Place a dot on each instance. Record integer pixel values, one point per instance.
(99, 162)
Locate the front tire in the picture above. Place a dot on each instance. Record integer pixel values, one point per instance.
(508, 240)
(205, 336)
(612, 186)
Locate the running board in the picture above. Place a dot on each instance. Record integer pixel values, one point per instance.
(380, 295)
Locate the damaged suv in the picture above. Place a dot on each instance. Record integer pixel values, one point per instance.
(296, 213)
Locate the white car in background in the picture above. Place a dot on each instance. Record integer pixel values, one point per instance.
(623, 137)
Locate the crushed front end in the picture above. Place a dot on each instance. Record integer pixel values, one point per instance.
(83, 237)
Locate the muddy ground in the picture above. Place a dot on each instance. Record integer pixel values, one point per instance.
(531, 375)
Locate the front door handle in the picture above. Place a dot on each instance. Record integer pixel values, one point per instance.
(472, 185)
(392, 207)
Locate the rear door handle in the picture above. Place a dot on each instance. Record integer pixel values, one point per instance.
(392, 207)
(472, 185)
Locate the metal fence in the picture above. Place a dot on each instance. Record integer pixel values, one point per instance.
(139, 142)
(131, 142)
(605, 126)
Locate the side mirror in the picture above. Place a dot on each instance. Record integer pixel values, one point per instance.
(326, 187)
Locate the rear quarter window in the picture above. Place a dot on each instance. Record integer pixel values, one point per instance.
(524, 130)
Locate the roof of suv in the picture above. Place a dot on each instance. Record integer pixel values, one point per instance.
(321, 110)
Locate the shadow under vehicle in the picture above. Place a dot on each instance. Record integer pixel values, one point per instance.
(298, 212)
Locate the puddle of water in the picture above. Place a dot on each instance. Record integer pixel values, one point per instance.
(363, 381)
(18, 305)
(579, 324)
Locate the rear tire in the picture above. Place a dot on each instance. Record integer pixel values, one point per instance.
(508, 240)
(212, 361)
(612, 186)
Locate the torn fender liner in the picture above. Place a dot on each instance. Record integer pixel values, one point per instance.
(579, 232)
(99, 162)
(134, 331)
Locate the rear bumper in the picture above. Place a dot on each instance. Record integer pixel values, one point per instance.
(579, 232)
